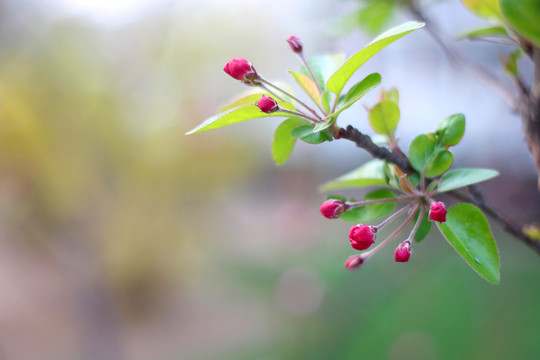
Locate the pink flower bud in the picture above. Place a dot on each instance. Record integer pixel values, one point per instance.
(241, 69)
(267, 104)
(437, 212)
(354, 262)
(403, 252)
(361, 237)
(333, 208)
(295, 44)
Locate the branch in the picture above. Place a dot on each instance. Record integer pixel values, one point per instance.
(363, 141)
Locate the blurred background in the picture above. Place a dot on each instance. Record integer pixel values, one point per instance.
(122, 238)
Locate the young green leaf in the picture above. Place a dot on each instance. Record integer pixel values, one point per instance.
(509, 63)
(523, 15)
(306, 134)
(451, 130)
(384, 118)
(358, 91)
(424, 229)
(237, 115)
(372, 173)
(391, 95)
(467, 231)
(326, 99)
(338, 80)
(283, 143)
(367, 213)
(487, 9)
(420, 150)
(244, 100)
(438, 163)
(323, 67)
(454, 179)
(485, 32)
(308, 86)
(322, 126)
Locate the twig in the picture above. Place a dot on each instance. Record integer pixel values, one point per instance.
(402, 162)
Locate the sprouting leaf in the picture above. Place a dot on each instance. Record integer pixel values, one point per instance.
(358, 91)
(425, 227)
(326, 99)
(523, 15)
(338, 80)
(384, 117)
(250, 99)
(451, 130)
(485, 32)
(367, 213)
(420, 150)
(467, 231)
(237, 115)
(391, 95)
(323, 67)
(283, 143)
(372, 173)
(487, 9)
(509, 63)
(454, 179)
(306, 134)
(308, 86)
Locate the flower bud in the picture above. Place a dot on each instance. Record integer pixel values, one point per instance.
(295, 44)
(403, 252)
(333, 208)
(437, 212)
(241, 69)
(361, 236)
(267, 105)
(354, 262)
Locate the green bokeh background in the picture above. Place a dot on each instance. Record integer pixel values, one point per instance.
(122, 238)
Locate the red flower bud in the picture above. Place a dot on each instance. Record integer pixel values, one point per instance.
(437, 212)
(267, 104)
(354, 262)
(333, 208)
(403, 252)
(295, 44)
(361, 236)
(241, 69)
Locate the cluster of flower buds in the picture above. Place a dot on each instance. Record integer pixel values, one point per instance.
(362, 236)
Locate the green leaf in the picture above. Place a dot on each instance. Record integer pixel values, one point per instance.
(454, 179)
(384, 117)
(372, 173)
(326, 99)
(375, 15)
(420, 150)
(510, 65)
(367, 213)
(425, 227)
(438, 163)
(486, 9)
(237, 115)
(467, 231)
(322, 126)
(524, 17)
(451, 130)
(283, 143)
(490, 31)
(358, 91)
(323, 67)
(338, 80)
(250, 99)
(306, 134)
(308, 86)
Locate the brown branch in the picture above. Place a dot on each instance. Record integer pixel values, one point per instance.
(363, 141)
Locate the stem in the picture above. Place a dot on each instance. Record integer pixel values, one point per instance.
(370, 253)
(394, 215)
(271, 92)
(298, 114)
(292, 97)
(418, 222)
(375, 201)
(301, 56)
